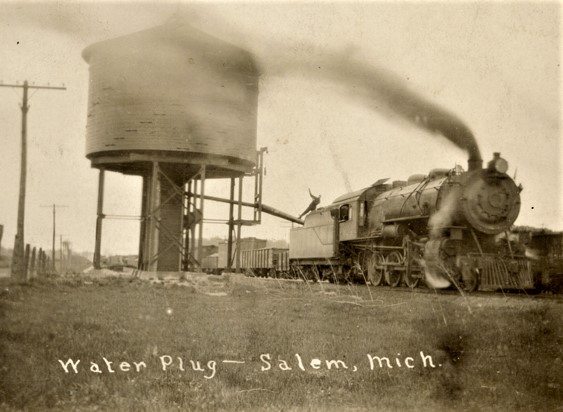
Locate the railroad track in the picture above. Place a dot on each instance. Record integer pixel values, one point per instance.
(452, 292)
(512, 293)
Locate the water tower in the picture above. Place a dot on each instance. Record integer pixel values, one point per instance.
(175, 106)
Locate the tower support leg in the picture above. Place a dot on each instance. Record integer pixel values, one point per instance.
(99, 220)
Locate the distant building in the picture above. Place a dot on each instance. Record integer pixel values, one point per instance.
(116, 261)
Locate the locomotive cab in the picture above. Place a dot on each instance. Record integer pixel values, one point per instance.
(352, 213)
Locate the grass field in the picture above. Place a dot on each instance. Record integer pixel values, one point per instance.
(496, 353)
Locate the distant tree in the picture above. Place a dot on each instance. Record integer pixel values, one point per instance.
(531, 229)
(215, 240)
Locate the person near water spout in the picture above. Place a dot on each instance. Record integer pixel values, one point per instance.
(313, 205)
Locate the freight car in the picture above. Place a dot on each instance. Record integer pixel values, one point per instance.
(544, 249)
(438, 227)
(255, 259)
(266, 262)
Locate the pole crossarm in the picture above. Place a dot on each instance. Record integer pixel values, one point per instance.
(34, 87)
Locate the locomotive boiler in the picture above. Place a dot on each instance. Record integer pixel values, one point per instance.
(441, 227)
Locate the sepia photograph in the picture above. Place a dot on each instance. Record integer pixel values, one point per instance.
(281, 205)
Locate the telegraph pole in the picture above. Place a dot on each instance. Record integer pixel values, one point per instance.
(53, 251)
(61, 255)
(1, 233)
(18, 264)
(67, 255)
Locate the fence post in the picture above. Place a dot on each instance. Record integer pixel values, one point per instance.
(26, 262)
(25, 276)
(32, 264)
(43, 263)
(40, 262)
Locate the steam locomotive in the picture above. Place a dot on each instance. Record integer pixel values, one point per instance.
(441, 227)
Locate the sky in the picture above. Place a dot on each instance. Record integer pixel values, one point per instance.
(493, 65)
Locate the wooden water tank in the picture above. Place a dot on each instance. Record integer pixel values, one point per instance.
(175, 94)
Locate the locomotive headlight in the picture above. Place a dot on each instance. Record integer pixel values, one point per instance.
(498, 164)
(501, 165)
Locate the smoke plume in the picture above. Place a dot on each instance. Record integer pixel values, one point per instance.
(435, 267)
(432, 279)
(444, 216)
(378, 89)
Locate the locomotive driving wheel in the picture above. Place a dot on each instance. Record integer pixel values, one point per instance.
(375, 268)
(392, 274)
(412, 279)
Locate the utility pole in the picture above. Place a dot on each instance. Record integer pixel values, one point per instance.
(64, 255)
(18, 264)
(67, 256)
(54, 206)
(1, 233)
(61, 255)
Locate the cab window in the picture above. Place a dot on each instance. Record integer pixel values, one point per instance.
(344, 213)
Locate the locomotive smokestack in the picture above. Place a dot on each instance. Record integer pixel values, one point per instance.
(475, 164)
